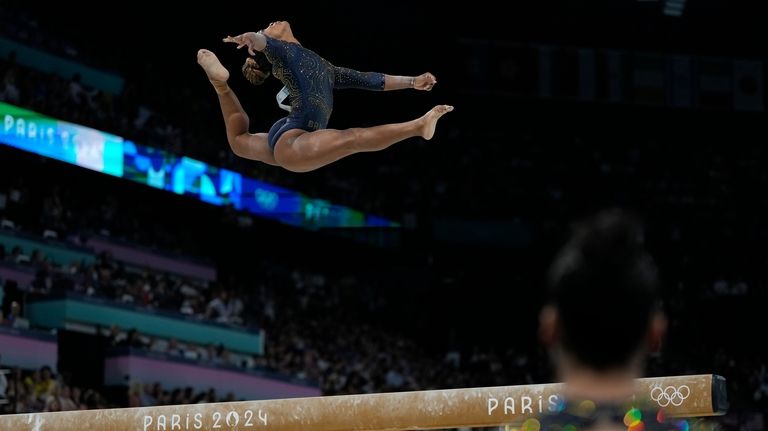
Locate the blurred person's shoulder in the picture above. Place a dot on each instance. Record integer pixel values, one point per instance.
(585, 415)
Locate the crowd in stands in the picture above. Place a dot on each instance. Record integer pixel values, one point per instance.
(22, 25)
(306, 316)
(40, 390)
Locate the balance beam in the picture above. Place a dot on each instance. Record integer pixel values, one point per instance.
(680, 396)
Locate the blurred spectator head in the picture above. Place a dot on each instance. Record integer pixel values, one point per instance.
(46, 373)
(15, 318)
(15, 310)
(604, 274)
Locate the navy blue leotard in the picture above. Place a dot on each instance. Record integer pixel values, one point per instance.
(310, 79)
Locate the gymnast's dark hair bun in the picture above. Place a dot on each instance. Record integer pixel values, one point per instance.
(257, 69)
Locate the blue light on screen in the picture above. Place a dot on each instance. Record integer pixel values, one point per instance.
(113, 155)
(78, 145)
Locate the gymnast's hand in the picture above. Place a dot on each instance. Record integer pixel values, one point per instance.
(424, 82)
(249, 39)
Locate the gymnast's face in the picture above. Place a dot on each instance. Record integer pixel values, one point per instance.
(279, 30)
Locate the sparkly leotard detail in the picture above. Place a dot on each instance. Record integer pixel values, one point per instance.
(310, 79)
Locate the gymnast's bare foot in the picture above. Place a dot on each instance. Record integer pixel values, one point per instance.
(217, 74)
(429, 120)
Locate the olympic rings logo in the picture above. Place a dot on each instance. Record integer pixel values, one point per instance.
(670, 395)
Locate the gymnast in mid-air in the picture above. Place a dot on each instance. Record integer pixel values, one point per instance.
(301, 142)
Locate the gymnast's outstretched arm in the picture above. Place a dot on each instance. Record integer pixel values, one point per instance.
(345, 77)
(349, 78)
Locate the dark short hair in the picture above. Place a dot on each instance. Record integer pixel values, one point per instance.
(605, 285)
(258, 71)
